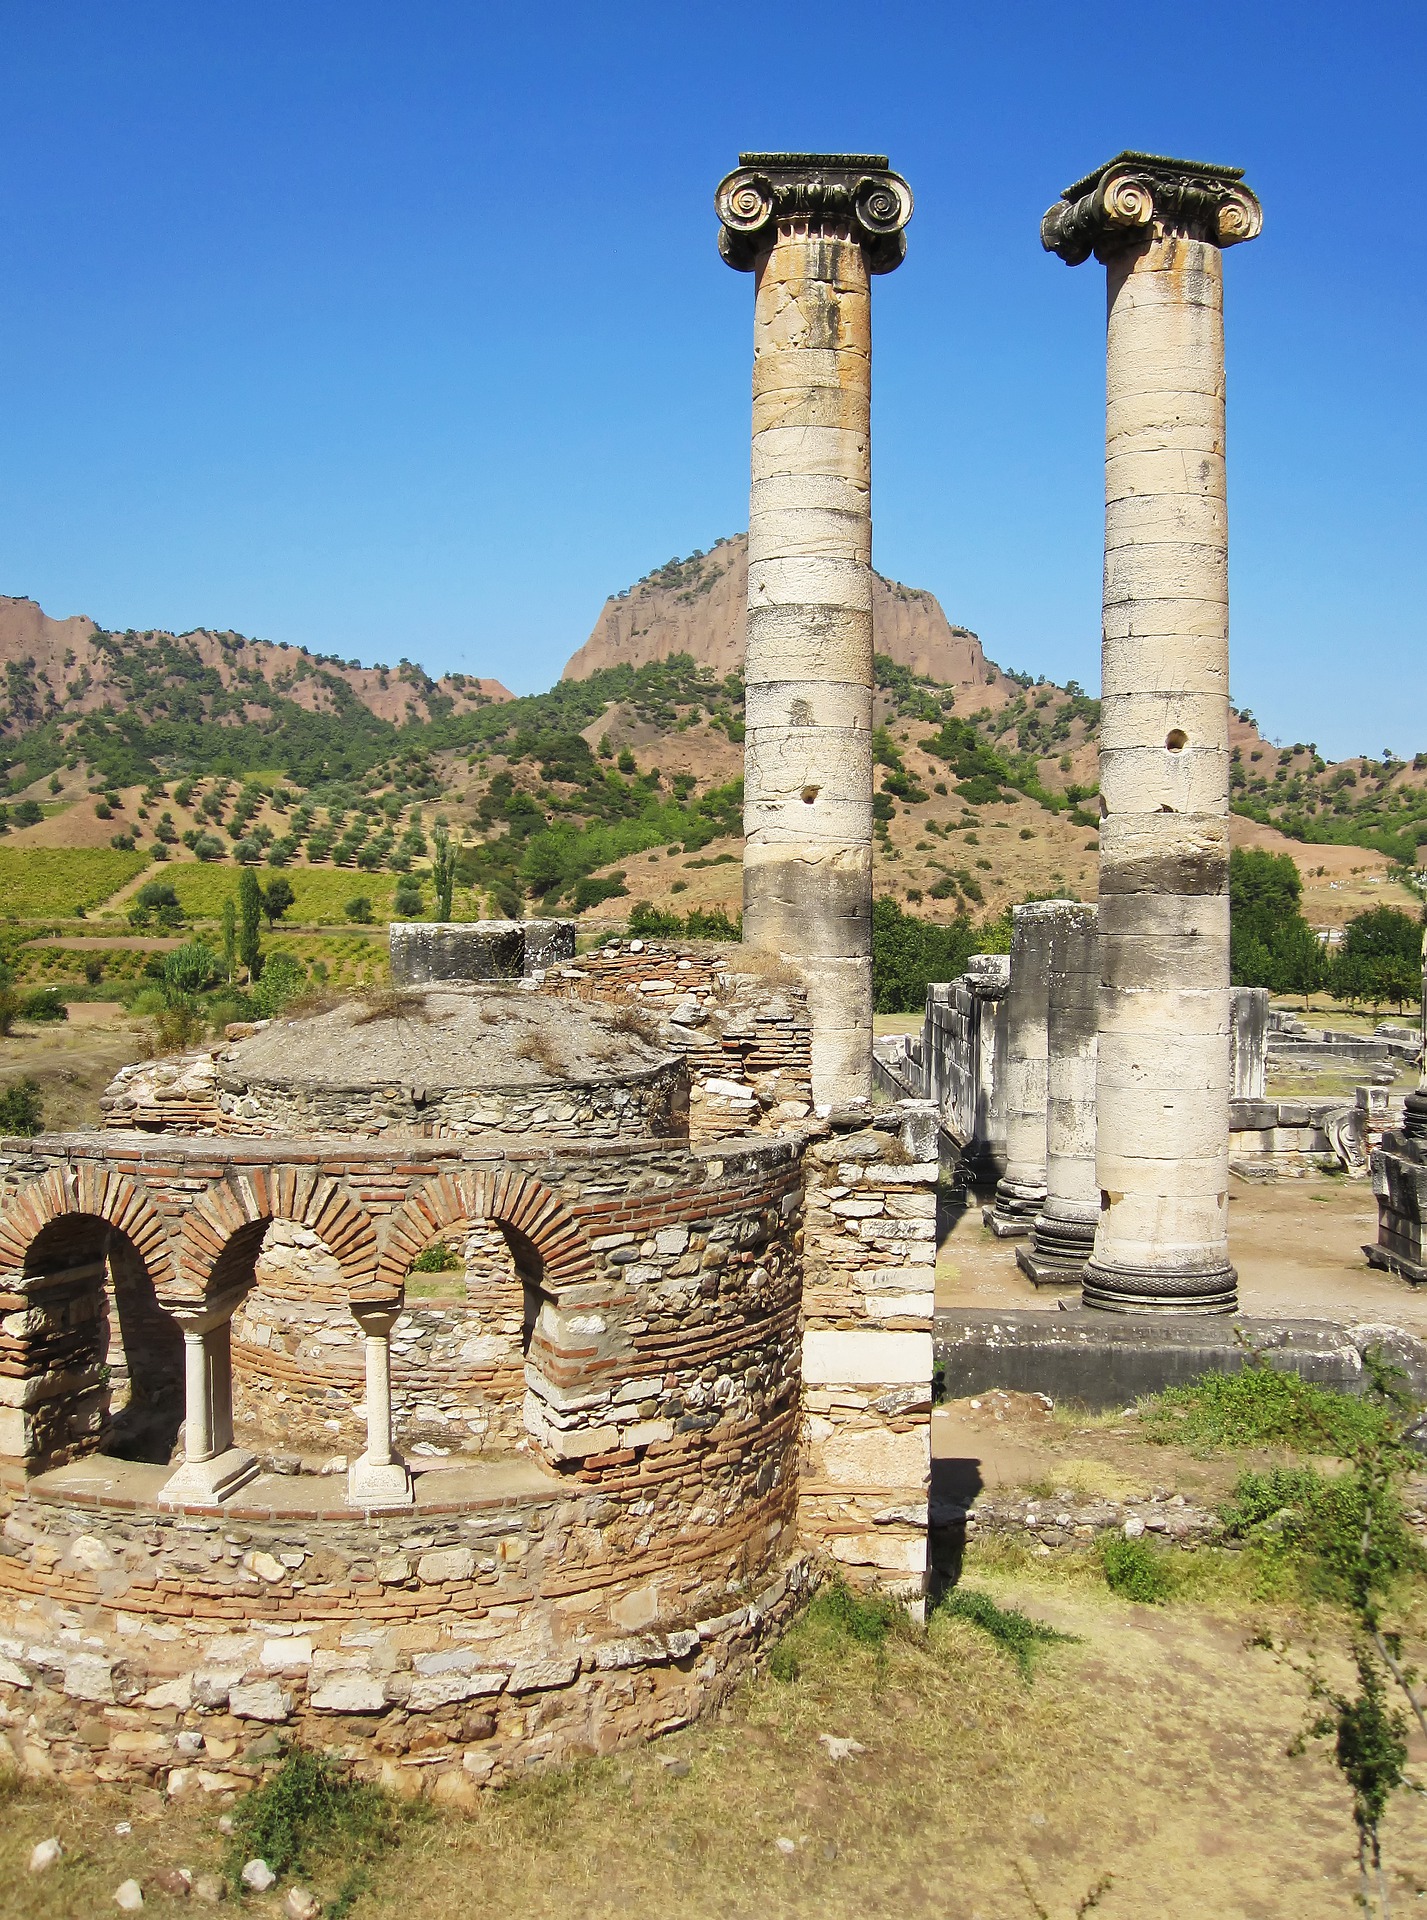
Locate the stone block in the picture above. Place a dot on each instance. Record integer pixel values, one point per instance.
(349, 1693)
(259, 1700)
(445, 1564)
(883, 1359)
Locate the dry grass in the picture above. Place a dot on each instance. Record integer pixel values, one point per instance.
(391, 1003)
(537, 1046)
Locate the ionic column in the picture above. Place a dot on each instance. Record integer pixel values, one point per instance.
(1021, 1188)
(813, 228)
(378, 1478)
(1160, 227)
(1064, 1233)
(213, 1469)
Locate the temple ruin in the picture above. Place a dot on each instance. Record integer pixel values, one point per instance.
(476, 1374)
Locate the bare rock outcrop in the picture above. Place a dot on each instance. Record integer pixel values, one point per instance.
(698, 607)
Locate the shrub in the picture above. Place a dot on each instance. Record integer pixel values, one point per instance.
(1322, 1522)
(1135, 1570)
(1013, 1631)
(22, 1109)
(439, 1257)
(191, 968)
(1261, 1406)
(43, 1004)
(207, 847)
(283, 979)
(359, 908)
(406, 903)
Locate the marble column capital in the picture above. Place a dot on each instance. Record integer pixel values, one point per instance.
(1137, 194)
(852, 194)
(375, 1318)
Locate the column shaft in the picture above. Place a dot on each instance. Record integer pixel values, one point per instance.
(378, 1347)
(1064, 1232)
(1021, 1189)
(808, 755)
(197, 1401)
(379, 1478)
(1163, 1123)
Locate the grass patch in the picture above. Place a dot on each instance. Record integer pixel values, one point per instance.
(1136, 1571)
(62, 881)
(310, 1815)
(1262, 1406)
(1318, 1523)
(835, 1620)
(1014, 1632)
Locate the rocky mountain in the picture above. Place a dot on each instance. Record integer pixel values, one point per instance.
(698, 606)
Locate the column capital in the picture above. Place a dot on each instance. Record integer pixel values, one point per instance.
(1134, 193)
(854, 192)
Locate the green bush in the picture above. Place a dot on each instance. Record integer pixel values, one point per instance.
(1135, 1570)
(439, 1257)
(359, 909)
(1321, 1522)
(43, 1004)
(283, 978)
(22, 1109)
(1262, 1406)
(190, 968)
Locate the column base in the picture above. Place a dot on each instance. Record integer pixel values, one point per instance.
(1062, 1241)
(1152, 1290)
(379, 1486)
(1051, 1269)
(1014, 1213)
(207, 1483)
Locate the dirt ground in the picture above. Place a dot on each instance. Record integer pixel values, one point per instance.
(1297, 1245)
(74, 1059)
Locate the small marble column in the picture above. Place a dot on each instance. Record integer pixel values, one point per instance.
(1160, 227)
(1020, 1191)
(813, 228)
(379, 1478)
(213, 1469)
(1064, 1233)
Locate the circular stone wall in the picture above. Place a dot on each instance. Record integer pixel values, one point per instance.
(455, 1062)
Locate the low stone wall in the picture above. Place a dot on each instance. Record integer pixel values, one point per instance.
(639, 1106)
(441, 1650)
(1108, 1361)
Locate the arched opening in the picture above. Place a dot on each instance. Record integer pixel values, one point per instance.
(297, 1352)
(96, 1332)
(472, 1299)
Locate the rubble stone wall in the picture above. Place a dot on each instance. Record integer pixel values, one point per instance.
(869, 1253)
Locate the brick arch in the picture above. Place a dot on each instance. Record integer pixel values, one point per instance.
(236, 1210)
(92, 1190)
(515, 1200)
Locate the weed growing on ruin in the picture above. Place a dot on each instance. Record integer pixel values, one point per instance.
(1261, 1406)
(1135, 1570)
(835, 1620)
(1340, 1531)
(1350, 1533)
(439, 1257)
(1013, 1631)
(311, 1811)
(391, 1003)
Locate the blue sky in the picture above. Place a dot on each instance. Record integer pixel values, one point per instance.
(400, 329)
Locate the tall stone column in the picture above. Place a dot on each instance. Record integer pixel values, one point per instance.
(378, 1478)
(812, 228)
(1160, 226)
(1064, 1233)
(213, 1469)
(1020, 1191)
